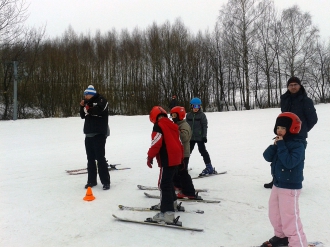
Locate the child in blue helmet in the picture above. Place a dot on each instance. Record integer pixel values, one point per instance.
(198, 124)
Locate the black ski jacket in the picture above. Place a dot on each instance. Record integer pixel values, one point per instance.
(303, 107)
(96, 119)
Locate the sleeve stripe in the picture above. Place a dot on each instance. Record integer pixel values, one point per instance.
(157, 137)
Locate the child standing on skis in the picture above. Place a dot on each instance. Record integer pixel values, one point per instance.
(182, 179)
(166, 147)
(287, 156)
(198, 124)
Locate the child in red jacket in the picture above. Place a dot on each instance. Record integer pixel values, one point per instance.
(167, 148)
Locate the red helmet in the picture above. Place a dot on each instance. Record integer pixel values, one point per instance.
(289, 120)
(154, 113)
(180, 111)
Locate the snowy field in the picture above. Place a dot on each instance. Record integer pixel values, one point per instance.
(41, 205)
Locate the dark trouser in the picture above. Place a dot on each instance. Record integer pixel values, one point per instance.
(183, 180)
(166, 187)
(95, 150)
(202, 150)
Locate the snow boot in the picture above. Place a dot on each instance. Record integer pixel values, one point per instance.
(181, 195)
(269, 186)
(207, 171)
(106, 186)
(167, 217)
(157, 206)
(90, 185)
(276, 242)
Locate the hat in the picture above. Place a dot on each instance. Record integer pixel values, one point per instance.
(283, 122)
(90, 90)
(293, 79)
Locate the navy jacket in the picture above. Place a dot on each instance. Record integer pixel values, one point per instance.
(96, 121)
(303, 107)
(198, 124)
(287, 165)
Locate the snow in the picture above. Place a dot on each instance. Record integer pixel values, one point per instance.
(41, 205)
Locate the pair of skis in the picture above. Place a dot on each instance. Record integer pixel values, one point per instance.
(111, 167)
(149, 221)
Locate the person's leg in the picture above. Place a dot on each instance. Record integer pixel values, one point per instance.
(202, 150)
(91, 164)
(99, 150)
(291, 223)
(167, 193)
(274, 213)
(187, 185)
(192, 145)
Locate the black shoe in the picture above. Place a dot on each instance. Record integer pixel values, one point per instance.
(277, 242)
(106, 186)
(90, 185)
(269, 186)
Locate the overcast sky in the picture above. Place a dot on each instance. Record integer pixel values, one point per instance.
(88, 16)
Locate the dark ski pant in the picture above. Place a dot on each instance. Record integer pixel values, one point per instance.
(202, 150)
(95, 150)
(183, 180)
(166, 187)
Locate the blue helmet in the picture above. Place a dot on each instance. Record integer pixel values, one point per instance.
(195, 103)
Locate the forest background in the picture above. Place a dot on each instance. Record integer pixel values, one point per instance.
(242, 64)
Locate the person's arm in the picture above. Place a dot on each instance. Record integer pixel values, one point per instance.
(270, 152)
(81, 110)
(310, 114)
(204, 124)
(98, 107)
(156, 141)
(294, 157)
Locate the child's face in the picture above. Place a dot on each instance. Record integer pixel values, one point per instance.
(281, 131)
(195, 109)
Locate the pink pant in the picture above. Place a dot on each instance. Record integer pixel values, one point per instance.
(284, 216)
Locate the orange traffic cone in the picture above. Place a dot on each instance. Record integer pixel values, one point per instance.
(89, 195)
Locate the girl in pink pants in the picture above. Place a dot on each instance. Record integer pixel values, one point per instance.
(287, 156)
(284, 216)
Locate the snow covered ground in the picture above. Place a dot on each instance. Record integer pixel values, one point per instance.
(41, 205)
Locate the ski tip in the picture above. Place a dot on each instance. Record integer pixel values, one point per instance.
(121, 207)
(114, 216)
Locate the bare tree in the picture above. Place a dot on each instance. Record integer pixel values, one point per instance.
(13, 14)
(298, 39)
(238, 18)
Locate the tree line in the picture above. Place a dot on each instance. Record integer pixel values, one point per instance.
(243, 63)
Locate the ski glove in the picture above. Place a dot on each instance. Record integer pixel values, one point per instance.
(205, 139)
(149, 162)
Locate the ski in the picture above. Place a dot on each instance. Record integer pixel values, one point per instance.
(149, 221)
(198, 199)
(211, 175)
(180, 209)
(83, 169)
(142, 187)
(110, 168)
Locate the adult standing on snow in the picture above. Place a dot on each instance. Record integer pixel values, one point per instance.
(94, 109)
(295, 100)
(173, 102)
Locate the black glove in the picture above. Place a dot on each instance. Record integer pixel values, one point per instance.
(205, 139)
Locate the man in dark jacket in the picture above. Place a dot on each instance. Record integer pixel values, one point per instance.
(173, 102)
(94, 109)
(295, 100)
